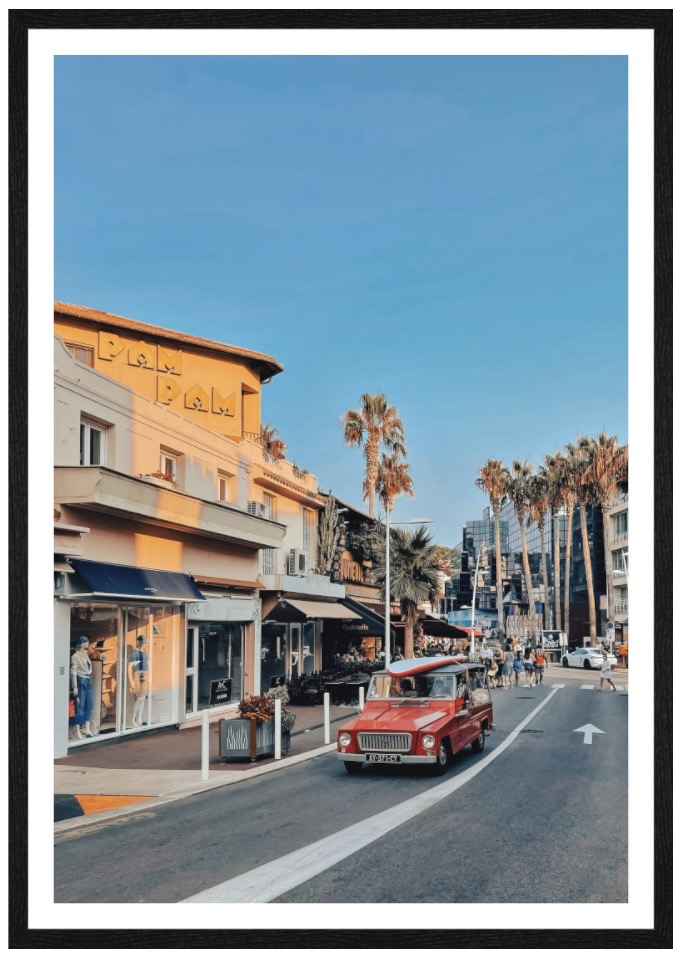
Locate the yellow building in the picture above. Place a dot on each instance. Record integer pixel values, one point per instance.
(172, 523)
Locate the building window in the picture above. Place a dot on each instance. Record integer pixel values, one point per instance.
(84, 354)
(168, 466)
(309, 520)
(225, 487)
(620, 528)
(93, 445)
(268, 506)
(267, 562)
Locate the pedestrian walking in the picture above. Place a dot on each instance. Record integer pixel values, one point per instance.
(507, 666)
(499, 656)
(528, 667)
(518, 667)
(606, 673)
(540, 658)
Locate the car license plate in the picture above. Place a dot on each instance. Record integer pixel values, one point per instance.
(384, 758)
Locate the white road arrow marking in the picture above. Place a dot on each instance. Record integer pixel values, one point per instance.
(588, 731)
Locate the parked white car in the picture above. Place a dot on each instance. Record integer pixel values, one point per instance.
(590, 657)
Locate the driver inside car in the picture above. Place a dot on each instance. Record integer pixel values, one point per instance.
(441, 689)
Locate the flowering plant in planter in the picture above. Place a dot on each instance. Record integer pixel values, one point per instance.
(263, 708)
(287, 716)
(257, 707)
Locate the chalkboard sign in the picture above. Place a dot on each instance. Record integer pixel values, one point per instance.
(221, 692)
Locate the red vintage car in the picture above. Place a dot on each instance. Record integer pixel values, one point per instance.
(419, 711)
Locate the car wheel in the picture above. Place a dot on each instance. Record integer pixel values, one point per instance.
(443, 757)
(353, 768)
(565, 661)
(479, 742)
(587, 664)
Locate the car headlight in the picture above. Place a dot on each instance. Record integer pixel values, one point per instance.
(344, 739)
(428, 742)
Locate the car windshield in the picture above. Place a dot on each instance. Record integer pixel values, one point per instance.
(421, 686)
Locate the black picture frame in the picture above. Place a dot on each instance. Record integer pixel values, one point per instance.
(20, 25)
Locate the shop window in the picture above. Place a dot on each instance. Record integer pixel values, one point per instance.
(92, 443)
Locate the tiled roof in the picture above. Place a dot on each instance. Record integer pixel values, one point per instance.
(268, 365)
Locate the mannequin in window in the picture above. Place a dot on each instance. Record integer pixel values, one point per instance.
(81, 687)
(137, 678)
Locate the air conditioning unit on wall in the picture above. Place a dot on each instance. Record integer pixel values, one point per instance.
(297, 563)
(254, 508)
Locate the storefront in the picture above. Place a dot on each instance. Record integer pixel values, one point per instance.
(293, 636)
(120, 634)
(361, 637)
(222, 636)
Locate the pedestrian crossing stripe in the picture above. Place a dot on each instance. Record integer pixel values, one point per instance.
(620, 689)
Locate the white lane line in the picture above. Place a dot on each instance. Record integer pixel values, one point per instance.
(275, 878)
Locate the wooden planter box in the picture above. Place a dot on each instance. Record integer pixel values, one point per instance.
(248, 739)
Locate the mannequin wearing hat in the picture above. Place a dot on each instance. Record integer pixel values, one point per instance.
(81, 687)
(137, 678)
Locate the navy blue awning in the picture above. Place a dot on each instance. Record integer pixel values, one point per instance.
(131, 582)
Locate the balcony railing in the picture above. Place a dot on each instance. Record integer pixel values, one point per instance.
(618, 537)
(621, 606)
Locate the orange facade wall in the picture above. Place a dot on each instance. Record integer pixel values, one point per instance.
(218, 391)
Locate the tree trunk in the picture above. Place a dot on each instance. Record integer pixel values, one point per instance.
(499, 574)
(527, 571)
(589, 573)
(408, 644)
(607, 537)
(544, 571)
(371, 472)
(557, 621)
(568, 566)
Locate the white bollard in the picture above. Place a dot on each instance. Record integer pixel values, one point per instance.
(205, 744)
(326, 712)
(361, 697)
(278, 728)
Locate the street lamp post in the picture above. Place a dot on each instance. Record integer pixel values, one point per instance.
(388, 646)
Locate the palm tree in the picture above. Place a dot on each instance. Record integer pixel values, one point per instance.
(566, 491)
(518, 494)
(271, 443)
(539, 503)
(414, 573)
(494, 480)
(553, 472)
(393, 479)
(608, 465)
(377, 425)
(581, 482)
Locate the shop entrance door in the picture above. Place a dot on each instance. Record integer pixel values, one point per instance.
(191, 677)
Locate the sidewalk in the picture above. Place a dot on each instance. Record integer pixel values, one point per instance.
(107, 779)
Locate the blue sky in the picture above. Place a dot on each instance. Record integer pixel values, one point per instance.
(450, 231)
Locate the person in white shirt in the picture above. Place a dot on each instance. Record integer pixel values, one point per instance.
(606, 673)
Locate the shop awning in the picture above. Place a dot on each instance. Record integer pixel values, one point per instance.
(373, 622)
(250, 584)
(109, 580)
(322, 610)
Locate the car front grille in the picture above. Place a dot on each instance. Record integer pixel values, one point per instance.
(385, 742)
